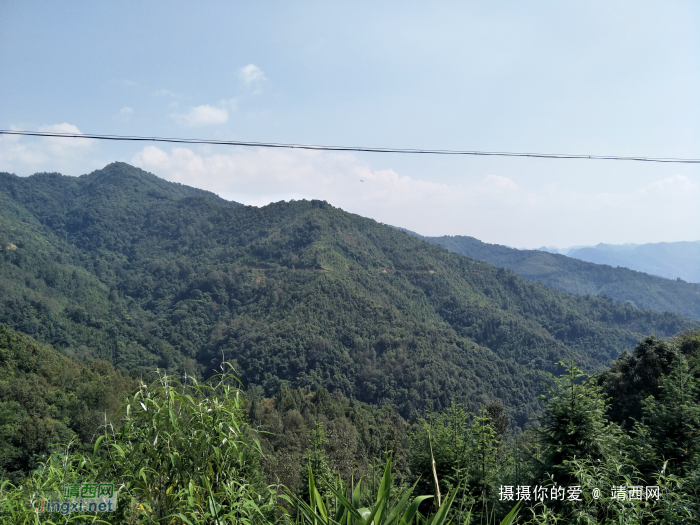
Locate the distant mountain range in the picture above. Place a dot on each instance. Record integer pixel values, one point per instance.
(573, 275)
(667, 259)
(673, 260)
(123, 266)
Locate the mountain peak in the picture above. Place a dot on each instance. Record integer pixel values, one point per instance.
(130, 178)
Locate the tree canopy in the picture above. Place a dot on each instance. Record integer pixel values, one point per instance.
(122, 266)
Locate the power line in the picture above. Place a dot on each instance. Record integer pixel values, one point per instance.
(343, 148)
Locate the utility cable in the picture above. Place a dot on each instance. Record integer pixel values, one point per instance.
(343, 148)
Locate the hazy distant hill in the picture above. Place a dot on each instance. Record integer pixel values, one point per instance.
(123, 266)
(667, 259)
(578, 277)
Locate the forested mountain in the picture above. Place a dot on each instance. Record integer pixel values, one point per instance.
(122, 266)
(318, 310)
(47, 398)
(578, 277)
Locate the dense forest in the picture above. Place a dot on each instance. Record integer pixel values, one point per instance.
(622, 446)
(47, 398)
(350, 339)
(124, 267)
(579, 277)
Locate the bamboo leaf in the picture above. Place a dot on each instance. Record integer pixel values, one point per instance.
(511, 516)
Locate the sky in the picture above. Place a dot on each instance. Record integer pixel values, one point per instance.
(596, 77)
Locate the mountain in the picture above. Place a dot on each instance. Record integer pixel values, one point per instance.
(574, 276)
(554, 249)
(673, 260)
(122, 266)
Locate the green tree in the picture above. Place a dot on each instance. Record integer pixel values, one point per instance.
(633, 377)
(465, 451)
(674, 419)
(446, 439)
(574, 424)
(316, 458)
(483, 452)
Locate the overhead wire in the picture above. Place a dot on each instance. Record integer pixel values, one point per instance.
(345, 148)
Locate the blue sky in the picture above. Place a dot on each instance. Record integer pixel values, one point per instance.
(618, 78)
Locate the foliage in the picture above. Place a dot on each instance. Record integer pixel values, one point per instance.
(574, 424)
(48, 398)
(184, 453)
(181, 453)
(315, 456)
(389, 507)
(185, 450)
(357, 435)
(462, 452)
(581, 447)
(574, 443)
(674, 419)
(357, 343)
(64, 465)
(635, 376)
(579, 277)
(123, 266)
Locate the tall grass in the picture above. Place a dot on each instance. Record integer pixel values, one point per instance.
(182, 453)
(389, 505)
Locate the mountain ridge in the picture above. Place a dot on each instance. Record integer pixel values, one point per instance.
(672, 260)
(572, 275)
(299, 293)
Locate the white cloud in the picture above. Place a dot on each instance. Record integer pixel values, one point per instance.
(340, 178)
(165, 93)
(14, 151)
(125, 113)
(503, 183)
(230, 103)
(489, 207)
(675, 186)
(64, 146)
(128, 82)
(26, 155)
(205, 115)
(61, 128)
(251, 74)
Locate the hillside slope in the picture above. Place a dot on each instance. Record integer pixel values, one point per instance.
(582, 278)
(298, 292)
(46, 398)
